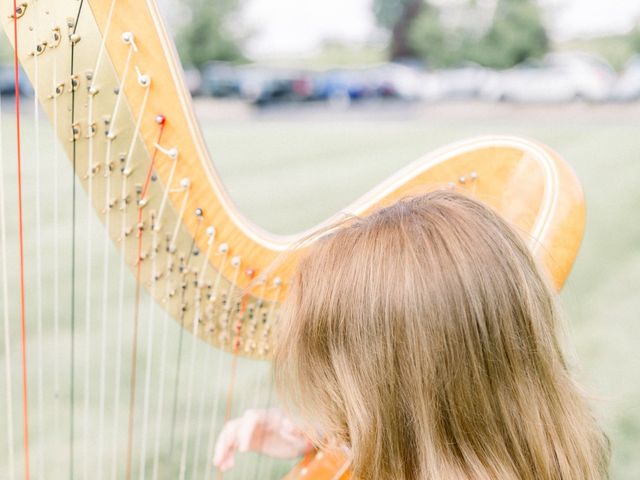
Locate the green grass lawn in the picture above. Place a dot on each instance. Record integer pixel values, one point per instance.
(287, 175)
(287, 172)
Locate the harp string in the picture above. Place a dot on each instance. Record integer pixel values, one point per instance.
(207, 359)
(6, 320)
(192, 364)
(139, 228)
(141, 203)
(38, 289)
(147, 380)
(220, 361)
(162, 376)
(23, 330)
(110, 136)
(103, 334)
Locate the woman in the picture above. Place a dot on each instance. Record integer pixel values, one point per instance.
(423, 339)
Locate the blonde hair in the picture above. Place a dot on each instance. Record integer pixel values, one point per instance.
(424, 338)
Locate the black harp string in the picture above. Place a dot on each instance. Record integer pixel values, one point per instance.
(73, 252)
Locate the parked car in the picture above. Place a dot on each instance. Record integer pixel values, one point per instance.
(462, 83)
(627, 88)
(341, 86)
(220, 79)
(559, 77)
(264, 85)
(193, 80)
(395, 80)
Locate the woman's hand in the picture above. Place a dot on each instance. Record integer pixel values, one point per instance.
(264, 431)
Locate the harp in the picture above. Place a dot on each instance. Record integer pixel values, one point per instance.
(117, 390)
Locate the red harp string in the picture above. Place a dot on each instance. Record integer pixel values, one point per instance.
(23, 330)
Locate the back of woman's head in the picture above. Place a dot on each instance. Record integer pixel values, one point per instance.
(423, 338)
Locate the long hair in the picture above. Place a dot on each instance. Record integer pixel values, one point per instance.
(424, 339)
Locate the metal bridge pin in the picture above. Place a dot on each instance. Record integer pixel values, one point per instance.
(223, 248)
(235, 261)
(473, 175)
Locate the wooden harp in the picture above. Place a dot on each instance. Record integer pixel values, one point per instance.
(106, 75)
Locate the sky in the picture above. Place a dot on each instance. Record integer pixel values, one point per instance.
(284, 27)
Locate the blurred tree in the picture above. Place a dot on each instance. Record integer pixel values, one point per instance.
(430, 40)
(634, 39)
(205, 37)
(515, 34)
(397, 16)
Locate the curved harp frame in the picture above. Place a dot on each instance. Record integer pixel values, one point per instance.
(126, 121)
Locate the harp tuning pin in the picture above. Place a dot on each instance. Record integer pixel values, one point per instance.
(211, 231)
(462, 179)
(74, 38)
(223, 248)
(75, 81)
(473, 175)
(144, 80)
(142, 202)
(160, 119)
(127, 37)
(20, 10)
(235, 261)
(40, 48)
(277, 281)
(56, 36)
(75, 131)
(199, 212)
(91, 131)
(250, 272)
(185, 183)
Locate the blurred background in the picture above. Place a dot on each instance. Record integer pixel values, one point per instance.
(306, 105)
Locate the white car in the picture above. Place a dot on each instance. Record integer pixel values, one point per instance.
(463, 83)
(627, 88)
(560, 77)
